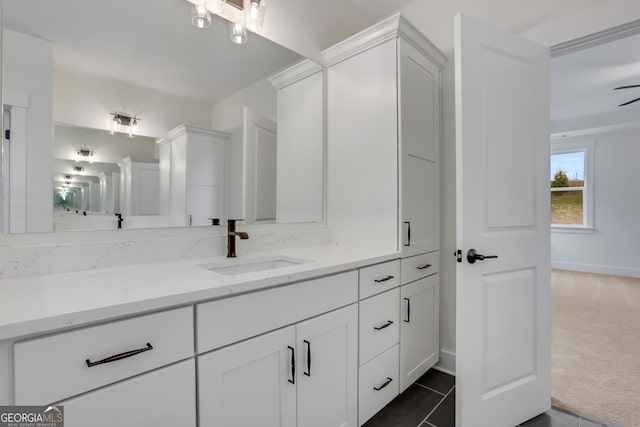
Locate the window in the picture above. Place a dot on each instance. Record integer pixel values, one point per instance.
(571, 184)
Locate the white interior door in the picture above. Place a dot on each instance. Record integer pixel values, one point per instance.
(502, 167)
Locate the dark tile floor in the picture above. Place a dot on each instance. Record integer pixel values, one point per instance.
(430, 402)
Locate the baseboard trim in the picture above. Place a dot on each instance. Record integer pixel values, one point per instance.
(597, 269)
(447, 363)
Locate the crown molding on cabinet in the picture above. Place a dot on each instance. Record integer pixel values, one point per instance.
(193, 130)
(294, 73)
(393, 27)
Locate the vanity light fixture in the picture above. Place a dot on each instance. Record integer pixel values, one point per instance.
(85, 155)
(245, 14)
(124, 123)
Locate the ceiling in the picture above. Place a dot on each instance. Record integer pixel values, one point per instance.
(582, 82)
(376, 9)
(148, 43)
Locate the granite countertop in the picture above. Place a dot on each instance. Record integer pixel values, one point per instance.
(45, 303)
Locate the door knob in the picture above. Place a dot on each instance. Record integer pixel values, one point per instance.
(473, 256)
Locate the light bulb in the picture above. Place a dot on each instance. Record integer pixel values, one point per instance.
(238, 33)
(254, 15)
(201, 17)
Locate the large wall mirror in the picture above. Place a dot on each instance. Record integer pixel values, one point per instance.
(124, 114)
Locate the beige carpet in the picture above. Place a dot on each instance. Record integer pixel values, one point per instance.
(595, 345)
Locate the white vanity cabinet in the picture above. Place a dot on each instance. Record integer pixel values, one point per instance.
(192, 175)
(379, 334)
(304, 374)
(419, 314)
(95, 371)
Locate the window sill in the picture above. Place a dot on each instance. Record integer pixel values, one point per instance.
(576, 229)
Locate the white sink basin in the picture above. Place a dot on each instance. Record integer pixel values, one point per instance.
(236, 266)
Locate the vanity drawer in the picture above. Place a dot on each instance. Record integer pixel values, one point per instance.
(379, 324)
(379, 278)
(55, 367)
(378, 384)
(419, 266)
(225, 321)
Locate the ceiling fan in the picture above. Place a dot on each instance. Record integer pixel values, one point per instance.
(627, 87)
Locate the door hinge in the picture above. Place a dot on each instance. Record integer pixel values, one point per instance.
(458, 255)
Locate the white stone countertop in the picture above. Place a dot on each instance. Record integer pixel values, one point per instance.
(40, 304)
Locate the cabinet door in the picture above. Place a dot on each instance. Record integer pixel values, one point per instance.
(166, 397)
(327, 369)
(250, 383)
(419, 333)
(419, 88)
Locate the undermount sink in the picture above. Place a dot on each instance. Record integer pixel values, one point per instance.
(236, 266)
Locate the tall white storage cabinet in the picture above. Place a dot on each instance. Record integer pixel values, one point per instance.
(192, 174)
(383, 94)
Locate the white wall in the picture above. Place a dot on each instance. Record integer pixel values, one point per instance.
(612, 248)
(28, 62)
(87, 101)
(259, 97)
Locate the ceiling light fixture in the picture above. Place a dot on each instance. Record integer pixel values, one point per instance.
(124, 123)
(78, 170)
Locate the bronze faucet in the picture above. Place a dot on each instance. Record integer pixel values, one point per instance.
(231, 237)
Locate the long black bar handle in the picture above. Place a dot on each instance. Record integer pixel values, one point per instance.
(119, 356)
(408, 310)
(408, 233)
(384, 279)
(386, 383)
(308, 372)
(386, 325)
(293, 365)
(423, 266)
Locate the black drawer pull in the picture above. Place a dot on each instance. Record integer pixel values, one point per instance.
(308, 372)
(120, 356)
(384, 279)
(424, 266)
(293, 365)
(386, 383)
(408, 310)
(386, 325)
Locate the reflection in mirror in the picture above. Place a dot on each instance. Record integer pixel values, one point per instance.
(87, 188)
(78, 63)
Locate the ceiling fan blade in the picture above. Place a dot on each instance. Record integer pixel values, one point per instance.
(629, 102)
(626, 87)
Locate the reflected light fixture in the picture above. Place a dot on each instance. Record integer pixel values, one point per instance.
(238, 33)
(124, 123)
(78, 170)
(85, 155)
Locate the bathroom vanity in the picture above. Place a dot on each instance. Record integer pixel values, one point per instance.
(321, 336)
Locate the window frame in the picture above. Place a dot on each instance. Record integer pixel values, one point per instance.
(586, 147)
